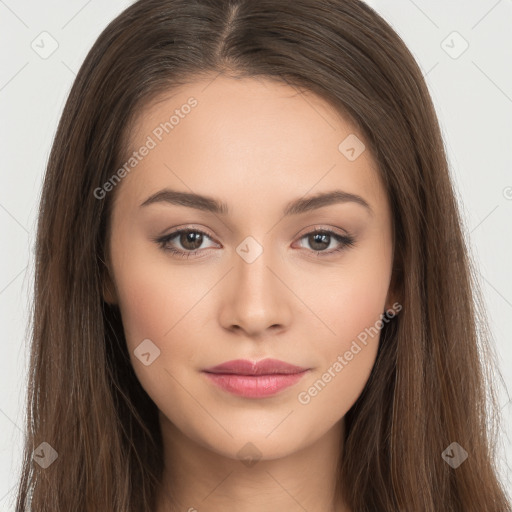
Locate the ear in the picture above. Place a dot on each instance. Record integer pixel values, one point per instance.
(392, 304)
(393, 299)
(109, 292)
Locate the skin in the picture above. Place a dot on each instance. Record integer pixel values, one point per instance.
(256, 145)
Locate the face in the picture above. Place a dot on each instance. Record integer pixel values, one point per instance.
(251, 280)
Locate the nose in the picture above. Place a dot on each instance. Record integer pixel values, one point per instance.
(256, 300)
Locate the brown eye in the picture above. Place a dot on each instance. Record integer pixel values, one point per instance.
(191, 240)
(320, 240)
(184, 242)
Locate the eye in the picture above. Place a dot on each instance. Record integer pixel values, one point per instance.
(320, 239)
(190, 239)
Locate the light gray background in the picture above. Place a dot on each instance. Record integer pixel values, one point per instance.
(472, 94)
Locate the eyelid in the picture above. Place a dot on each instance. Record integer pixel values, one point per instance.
(321, 227)
(187, 227)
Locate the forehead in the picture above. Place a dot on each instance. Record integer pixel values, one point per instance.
(223, 134)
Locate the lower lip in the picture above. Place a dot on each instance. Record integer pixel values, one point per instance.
(257, 386)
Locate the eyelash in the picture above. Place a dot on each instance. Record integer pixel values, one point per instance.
(346, 241)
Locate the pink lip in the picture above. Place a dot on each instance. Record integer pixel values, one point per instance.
(255, 379)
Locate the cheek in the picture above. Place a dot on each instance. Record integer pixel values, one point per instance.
(353, 297)
(351, 305)
(164, 303)
(156, 304)
(153, 296)
(345, 359)
(145, 311)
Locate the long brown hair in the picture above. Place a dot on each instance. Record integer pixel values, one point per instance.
(432, 383)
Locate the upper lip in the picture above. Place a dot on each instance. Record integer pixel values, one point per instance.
(263, 367)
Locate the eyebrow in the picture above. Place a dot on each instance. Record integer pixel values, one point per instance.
(295, 207)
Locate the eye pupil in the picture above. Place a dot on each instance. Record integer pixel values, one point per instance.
(319, 238)
(191, 237)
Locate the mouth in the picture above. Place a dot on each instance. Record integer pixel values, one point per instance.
(255, 379)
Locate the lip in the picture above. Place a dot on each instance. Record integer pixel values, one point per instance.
(263, 367)
(255, 379)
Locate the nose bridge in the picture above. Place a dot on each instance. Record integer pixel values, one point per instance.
(254, 279)
(257, 299)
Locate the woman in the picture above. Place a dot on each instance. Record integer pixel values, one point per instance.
(252, 289)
